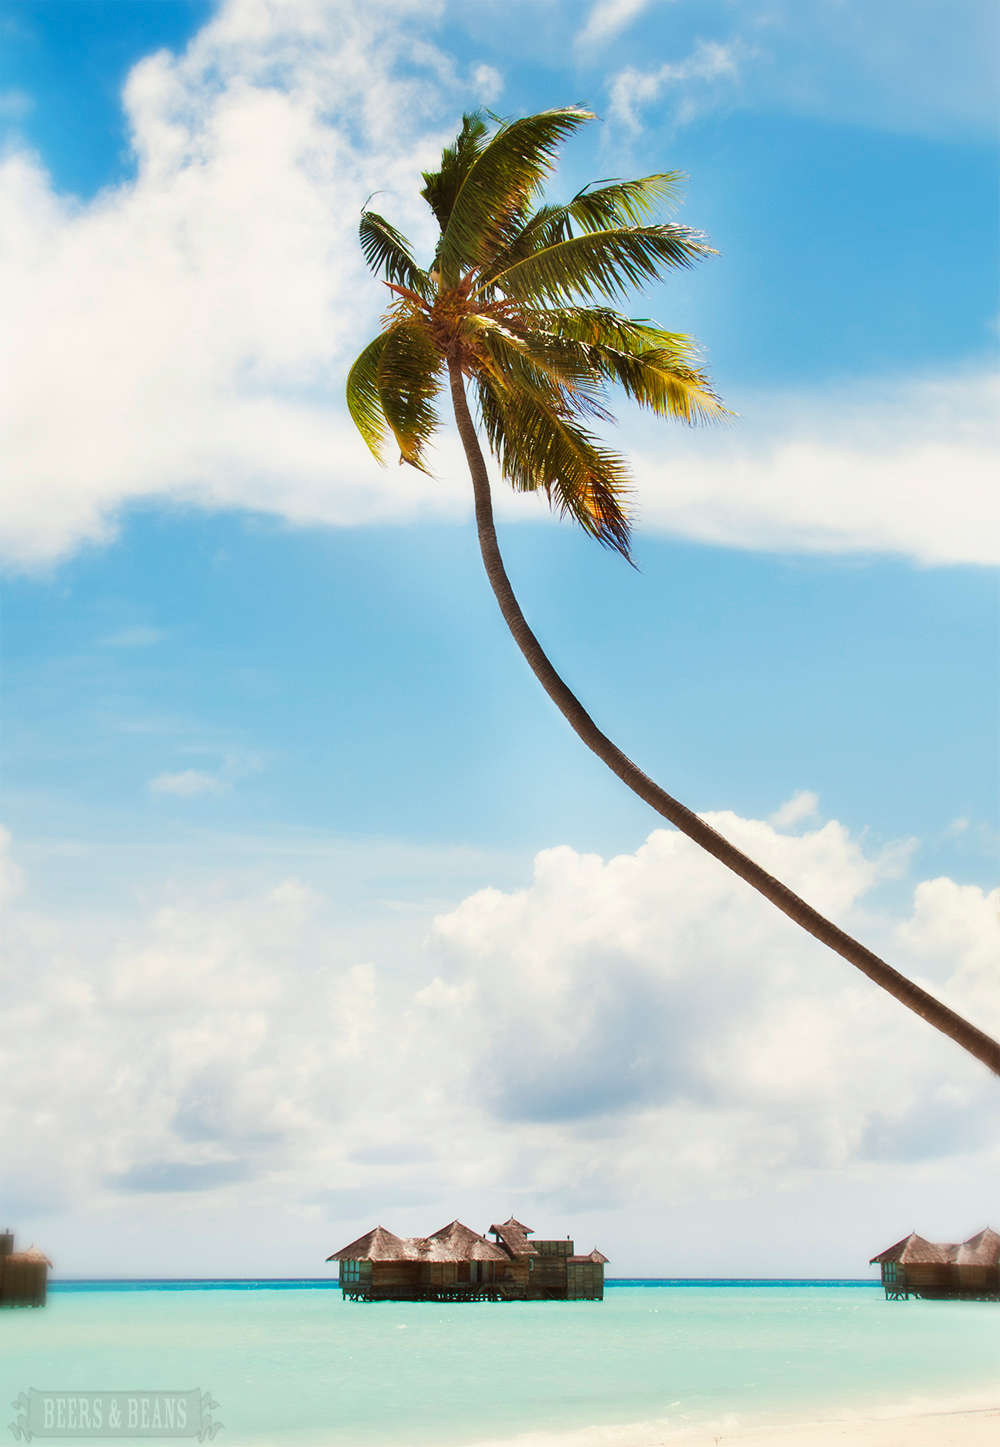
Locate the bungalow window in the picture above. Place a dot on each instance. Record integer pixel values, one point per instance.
(352, 1271)
(890, 1270)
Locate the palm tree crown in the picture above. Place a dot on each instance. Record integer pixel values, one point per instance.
(517, 302)
(510, 298)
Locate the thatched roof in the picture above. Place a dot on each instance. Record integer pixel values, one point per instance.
(520, 1226)
(466, 1244)
(31, 1257)
(376, 1245)
(514, 1237)
(453, 1242)
(981, 1250)
(913, 1250)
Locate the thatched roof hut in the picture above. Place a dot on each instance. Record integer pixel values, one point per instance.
(457, 1263)
(24, 1275)
(942, 1270)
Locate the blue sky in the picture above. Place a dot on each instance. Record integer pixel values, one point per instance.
(262, 717)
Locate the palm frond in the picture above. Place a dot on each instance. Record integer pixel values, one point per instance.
(441, 187)
(408, 379)
(623, 203)
(363, 401)
(521, 297)
(601, 263)
(529, 233)
(657, 369)
(658, 381)
(602, 326)
(535, 359)
(615, 204)
(539, 445)
(501, 181)
(387, 252)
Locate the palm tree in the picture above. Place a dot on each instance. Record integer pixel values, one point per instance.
(518, 302)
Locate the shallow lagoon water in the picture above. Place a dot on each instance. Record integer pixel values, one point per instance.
(298, 1364)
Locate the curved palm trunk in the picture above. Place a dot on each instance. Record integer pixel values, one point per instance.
(918, 1000)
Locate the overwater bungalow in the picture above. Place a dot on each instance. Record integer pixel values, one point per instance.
(24, 1275)
(942, 1271)
(457, 1264)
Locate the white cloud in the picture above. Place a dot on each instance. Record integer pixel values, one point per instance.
(643, 1027)
(607, 18)
(907, 467)
(187, 335)
(188, 783)
(709, 62)
(802, 805)
(487, 83)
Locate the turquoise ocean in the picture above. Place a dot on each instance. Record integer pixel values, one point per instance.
(292, 1362)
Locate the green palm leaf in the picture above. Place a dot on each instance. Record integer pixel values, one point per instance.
(656, 380)
(441, 187)
(540, 445)
(500, 183)
(388, 253)
(363, 401)
(623, 203)
(657, 369)
(408, 381)
(533, 359)
(616, 204)
(391, 388)
(601, 326)
(601, 263)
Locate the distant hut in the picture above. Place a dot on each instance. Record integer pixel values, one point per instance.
(454, 1261)
(457, 1264)
(24, 1275)
(938, 1270)
(550, 1270)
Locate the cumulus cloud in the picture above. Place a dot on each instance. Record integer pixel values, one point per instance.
(184, 336)
(642, 1025)
(708, 64)
(802, 805)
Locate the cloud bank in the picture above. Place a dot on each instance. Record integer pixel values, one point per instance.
(907, 467)
(184, 337)
(641, 1028)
